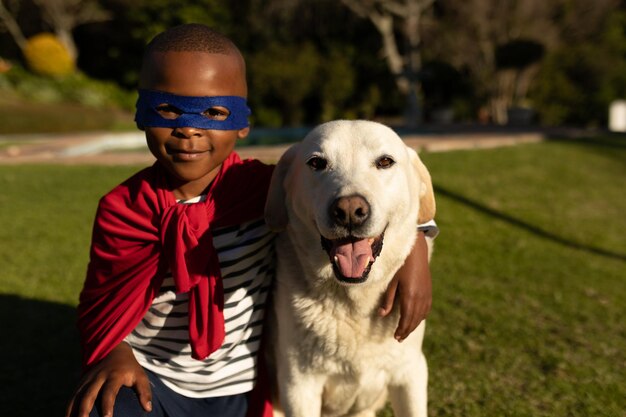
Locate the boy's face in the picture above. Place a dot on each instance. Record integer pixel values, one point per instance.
(192, 155)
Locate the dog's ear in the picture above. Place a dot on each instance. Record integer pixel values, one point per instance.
(427, 194)
(275, 206)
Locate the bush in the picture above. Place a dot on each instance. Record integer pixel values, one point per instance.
(577, 82)
(285, 74)
(46, 55)
(74, 88)
(576, 85)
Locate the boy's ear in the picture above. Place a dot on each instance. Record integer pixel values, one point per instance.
(426, 192)
(276, 215)
(243, 133)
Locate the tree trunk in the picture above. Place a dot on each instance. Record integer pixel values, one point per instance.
(11, 25)
(404, 68)
(66, 38)
(414, 114)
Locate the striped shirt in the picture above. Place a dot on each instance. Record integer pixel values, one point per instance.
(160, 341)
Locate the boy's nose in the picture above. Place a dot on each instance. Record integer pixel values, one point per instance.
(187, 132)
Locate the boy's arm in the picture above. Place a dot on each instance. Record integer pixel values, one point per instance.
(119, 368)
(412, 282)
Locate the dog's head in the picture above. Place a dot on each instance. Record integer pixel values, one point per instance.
(349, 188)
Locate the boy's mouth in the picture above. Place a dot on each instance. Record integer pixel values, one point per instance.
(188, 156)
(185, 154)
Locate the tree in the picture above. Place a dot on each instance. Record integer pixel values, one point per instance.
(285, 74)
(62, 16)
(405, 65)
(587, 71)
(8, 23)
(65, 15)
(482, 36)
(146, 18)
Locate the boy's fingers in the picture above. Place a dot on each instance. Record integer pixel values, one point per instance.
(70, 407)
(144, 392)
(389, 298)
(405, 324)
(71, 410)
(108, 396)
(87, 399)
(410, 318)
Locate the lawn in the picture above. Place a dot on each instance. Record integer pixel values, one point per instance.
(528, 274)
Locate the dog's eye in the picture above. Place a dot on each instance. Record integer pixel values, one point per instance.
(384, 162)
(317, 163)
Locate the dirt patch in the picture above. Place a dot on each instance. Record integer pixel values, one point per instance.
(75, 149)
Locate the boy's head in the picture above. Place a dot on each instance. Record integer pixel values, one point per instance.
(192, 92)
(193, 39)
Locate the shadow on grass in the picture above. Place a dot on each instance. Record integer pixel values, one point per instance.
(40, 362)
(607, 141)
(527, 226)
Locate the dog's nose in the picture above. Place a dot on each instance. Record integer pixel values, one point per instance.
(350, 211)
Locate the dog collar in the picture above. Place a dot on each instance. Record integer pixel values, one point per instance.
(192, 109)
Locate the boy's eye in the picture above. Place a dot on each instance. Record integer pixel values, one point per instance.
(216, 113)
(167, 111)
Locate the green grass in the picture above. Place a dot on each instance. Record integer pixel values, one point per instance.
(529, 295)
(528, 274)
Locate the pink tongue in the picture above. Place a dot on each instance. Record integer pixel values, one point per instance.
(352, 257)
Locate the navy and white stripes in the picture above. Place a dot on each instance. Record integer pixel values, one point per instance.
(161, 341)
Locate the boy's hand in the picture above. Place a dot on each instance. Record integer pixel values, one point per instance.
(412, 283)
(119, 368)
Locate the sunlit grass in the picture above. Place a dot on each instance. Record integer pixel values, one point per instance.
(528, 272)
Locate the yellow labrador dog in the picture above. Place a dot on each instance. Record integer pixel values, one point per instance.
(349, 198)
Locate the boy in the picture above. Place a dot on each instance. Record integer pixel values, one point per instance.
(181, 260)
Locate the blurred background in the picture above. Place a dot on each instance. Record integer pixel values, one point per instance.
(410, 63)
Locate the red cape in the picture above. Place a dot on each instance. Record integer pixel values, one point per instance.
(140, 233)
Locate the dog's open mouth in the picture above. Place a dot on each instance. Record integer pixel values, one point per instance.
(352, 257)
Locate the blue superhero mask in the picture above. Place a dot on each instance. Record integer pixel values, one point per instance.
(191, 111)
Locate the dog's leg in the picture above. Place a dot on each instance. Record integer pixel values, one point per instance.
(300, 395)
(410, 397)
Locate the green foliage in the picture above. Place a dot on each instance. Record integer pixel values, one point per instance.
(291, 82)
(369, 102)
(577, 82)
(147, 18)
(286, 74)
(46, 55)
(337, 83)
(73, 88)
(37, 104)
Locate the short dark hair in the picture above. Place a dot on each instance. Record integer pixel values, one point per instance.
(192, 37)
